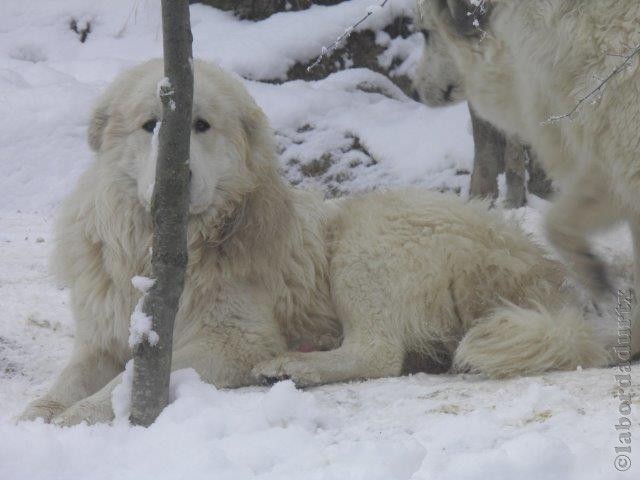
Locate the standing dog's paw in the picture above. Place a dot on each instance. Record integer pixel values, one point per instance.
(595, 276)
(41, 408)
(286, 367)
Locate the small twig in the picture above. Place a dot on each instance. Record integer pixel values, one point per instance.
(326, 51)
(82, 28)
(596, 91)
(614, 55)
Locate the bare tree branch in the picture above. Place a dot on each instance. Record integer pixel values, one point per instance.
(326, 51)
(152, 363)
(596, 92)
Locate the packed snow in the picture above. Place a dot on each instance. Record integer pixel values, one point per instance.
(121, 396)
(350, 132)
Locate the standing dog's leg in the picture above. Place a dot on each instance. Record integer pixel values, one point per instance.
(581, 209)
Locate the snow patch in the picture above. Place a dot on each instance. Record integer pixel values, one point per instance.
(141, 325)
(285, 405)
(121, 395)
(164, 87)
(142, 284)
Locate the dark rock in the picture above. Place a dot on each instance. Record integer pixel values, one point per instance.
(359, 50)
(256, 9)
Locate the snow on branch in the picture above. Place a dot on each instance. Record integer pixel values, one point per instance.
(480, 8)
(596, 92)
(326, 51)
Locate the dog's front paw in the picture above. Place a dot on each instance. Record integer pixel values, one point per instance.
(286, 367)
(42, 408)
(269, 372)
(84, 411)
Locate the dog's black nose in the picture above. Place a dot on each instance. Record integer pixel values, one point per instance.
(415, 95)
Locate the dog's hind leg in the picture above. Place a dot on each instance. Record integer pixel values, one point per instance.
(580, 210)
(366, 358)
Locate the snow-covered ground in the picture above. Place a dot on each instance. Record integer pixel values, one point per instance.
(353, 131)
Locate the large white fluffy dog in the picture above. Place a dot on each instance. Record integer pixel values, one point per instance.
(273, 270)
(524, 62)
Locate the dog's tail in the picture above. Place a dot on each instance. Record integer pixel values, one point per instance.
(529, 341)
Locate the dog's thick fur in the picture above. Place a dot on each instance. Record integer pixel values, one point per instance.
(275, 270)
(531, 60)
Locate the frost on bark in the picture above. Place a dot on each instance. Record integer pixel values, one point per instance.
(170, 204)
(489, 146)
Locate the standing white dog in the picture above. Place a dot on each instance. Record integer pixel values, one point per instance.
(521, 63)
(273, 269)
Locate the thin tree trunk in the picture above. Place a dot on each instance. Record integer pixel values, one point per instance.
(514, 167)
(152, 364)
(489, 153)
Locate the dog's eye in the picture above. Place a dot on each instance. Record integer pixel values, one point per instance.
(425, 34)
(150, 125)
(201, 125)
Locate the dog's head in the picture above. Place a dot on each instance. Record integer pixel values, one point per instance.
(438, 81)
(469, 57)
(228, 132)
(446, 24)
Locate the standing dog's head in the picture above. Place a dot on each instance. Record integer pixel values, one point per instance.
(228, 134)
(468, 56)
(438, 81)
(444, 23)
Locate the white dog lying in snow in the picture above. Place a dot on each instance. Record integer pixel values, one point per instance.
(375, 279)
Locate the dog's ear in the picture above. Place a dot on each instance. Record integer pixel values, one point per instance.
(98, 124)
(255, 126)
(469, 17)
